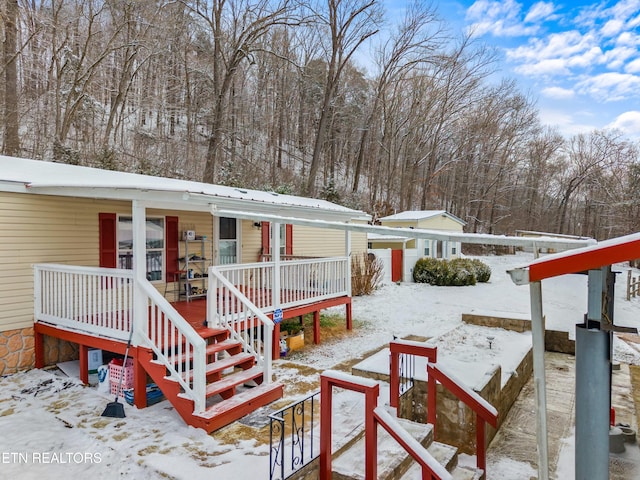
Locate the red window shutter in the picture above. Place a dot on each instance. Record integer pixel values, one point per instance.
(108, 240)
(288, 247)
(266, 238)
(172, 247)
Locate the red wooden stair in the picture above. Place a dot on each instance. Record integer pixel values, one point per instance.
(227, 397)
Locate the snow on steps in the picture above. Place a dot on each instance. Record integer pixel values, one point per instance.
(448, 457)
(393, 461)
(234, 405)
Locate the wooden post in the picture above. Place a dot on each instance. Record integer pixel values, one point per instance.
(38, 344)
(629, 278)
(316, 327)
(325, 428)
(83, 352)
(431, 399)
(394, 380)
(481, 460)
(140, 379)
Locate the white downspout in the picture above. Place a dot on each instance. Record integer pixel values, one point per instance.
(140, 309)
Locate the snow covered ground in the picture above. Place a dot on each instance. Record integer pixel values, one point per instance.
(51, 425)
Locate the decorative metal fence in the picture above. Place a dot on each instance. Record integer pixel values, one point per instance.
(294, 436)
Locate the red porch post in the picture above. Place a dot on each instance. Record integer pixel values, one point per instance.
(348, 314)
(83, 352)
(480, 444)
(394, 379)
(431, 398)
(325, 428)
(316, 327)
(38, 347)
(139, 379)
(275, 341)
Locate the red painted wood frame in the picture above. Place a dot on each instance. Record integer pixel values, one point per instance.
(482, 414)
(86, 341)
(397, 348)
(371, 393)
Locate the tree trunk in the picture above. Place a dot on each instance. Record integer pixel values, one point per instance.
(11, 136)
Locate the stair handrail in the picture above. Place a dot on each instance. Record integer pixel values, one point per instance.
(193, 381)
(249, 342)
(485, 412)
(405, 347)
(431, 468)
(374, 415)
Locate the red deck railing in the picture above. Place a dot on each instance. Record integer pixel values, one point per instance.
(484, 411)
(374, 416)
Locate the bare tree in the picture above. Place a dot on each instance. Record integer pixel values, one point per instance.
(349, 23)
(11, 139)
(235, 30)
(414, 41)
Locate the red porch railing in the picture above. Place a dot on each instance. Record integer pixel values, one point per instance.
(405, 347)
(485, 412)
(374, 416)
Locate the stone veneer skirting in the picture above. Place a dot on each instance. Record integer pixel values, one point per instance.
(17, 350)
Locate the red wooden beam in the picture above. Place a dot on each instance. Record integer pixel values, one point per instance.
(589, 258)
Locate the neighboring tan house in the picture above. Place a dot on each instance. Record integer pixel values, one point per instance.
(405, 251)
(189, 269)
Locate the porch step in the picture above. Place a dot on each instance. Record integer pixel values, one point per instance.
(228, 384)
(447, 456)
(231, 346)
(250, 398)
(217, 334)
(240, 360)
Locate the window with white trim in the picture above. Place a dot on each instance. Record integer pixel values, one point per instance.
(154, 246)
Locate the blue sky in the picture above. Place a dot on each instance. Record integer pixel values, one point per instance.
(580, 61)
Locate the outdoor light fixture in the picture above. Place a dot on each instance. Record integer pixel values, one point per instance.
(491, 339)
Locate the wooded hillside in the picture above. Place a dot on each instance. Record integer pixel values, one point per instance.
(323, 98)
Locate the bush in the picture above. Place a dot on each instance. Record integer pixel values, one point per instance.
(482, 270)
(366, 274)
(457, 272)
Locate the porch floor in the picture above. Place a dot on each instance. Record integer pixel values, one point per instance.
(195, 312)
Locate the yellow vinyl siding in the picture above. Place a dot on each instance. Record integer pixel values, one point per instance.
(43, 229)
(440, 223)
(318, 242)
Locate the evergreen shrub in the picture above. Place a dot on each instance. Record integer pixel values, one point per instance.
(457, 272)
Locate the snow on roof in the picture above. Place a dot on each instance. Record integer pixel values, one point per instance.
(604, 253)
(385, 238)
(44, 174)
(420, 215)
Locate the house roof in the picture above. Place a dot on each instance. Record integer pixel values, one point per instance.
(37, 176)
(417, 215)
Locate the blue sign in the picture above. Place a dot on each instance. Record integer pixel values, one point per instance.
(277, 315)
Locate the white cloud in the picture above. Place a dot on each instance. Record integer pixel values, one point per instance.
(500, 19)
(539, 12)
(553, 67)
(628, 123)
(558, 93)
(613, 28)
(611, 86)
(633, 67)
(557, 54)
(618, 56)
(564, 122)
